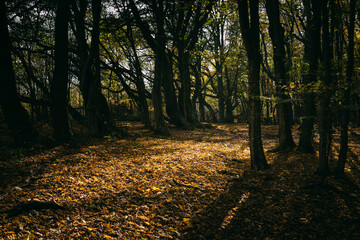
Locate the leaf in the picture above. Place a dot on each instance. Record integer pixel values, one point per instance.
(155, 189)
(187, 221)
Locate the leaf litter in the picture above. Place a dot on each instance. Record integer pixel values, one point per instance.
(195, 184)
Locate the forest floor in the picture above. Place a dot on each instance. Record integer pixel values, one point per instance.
(195, 184)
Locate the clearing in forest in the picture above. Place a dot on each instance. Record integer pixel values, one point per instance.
(195, 184)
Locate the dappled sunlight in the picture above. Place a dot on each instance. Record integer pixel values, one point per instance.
(193, 183)
(232, 212)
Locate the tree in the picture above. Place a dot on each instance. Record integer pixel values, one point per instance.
(15, 114)
(96, 108)
(325, 94)
(346, 97)
(284, 106)
(162, 68)
(311, 61)
(186, 33)
(59, 86)
(250, 34)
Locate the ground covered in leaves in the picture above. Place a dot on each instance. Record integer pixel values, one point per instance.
(195, 184)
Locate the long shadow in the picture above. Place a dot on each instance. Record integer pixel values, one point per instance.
(280, 204)
(241, 194)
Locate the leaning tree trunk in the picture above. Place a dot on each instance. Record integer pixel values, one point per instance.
(15, 114)
(59, 86)
(311, 59)
(277, 37)
(250, 34)
(345, 116)
(140, 85)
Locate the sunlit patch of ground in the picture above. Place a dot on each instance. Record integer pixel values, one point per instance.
(194, 184)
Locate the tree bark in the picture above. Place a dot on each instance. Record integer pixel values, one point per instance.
(311, 60)
(97, 112)
(160, 70)
(96, 108)
(250, 34)
(172, 109)
(284, 106)
(345, 116)
(219, 70)
(189, 22)
(324, 96)
(197, 91)
(184, 71)
(59, 86)
(140, 85)
(15, 114)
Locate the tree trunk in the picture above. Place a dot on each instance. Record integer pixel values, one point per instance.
(219, 72)
(211, 110)
(59, 86)
(97, 112)
(185, 79)
(324, 96)
(284, 106)
(160, 126)
(96, 108)
(176, 117)
(15, 114)
(197, 91)
(231, 92)
(140, 85)
(250, 34)
(160, 71)
(345, 116)
(201, 109)
(311, 59)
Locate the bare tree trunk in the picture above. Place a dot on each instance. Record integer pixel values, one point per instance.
(160, 71)
(324, 97)
(15, 114)
(59, 86)
(197, 91)
(284, 106)
(97, 112)
(311, 59)
(250, 34)
(96, 107)
(345, 116)
(176, 117)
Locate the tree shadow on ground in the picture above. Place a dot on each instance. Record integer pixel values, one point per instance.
(285, 202)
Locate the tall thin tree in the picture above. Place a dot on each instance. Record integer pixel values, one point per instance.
(59, 86)
(346, 98)
(311, 61)
(284, 107)
(324, 96)
(250, 34)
